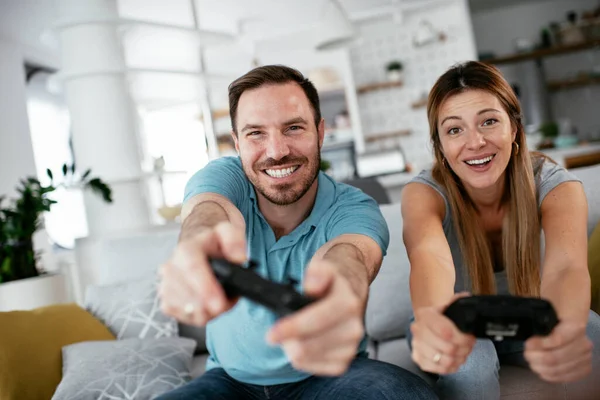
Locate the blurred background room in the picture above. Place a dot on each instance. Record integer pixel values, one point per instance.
(135, 92)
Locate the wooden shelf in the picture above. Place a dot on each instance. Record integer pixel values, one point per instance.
(379, 86)
(419, 103)
(573, 83)
(537, 54)
(386, 135)
(582, 160)
(218, 113)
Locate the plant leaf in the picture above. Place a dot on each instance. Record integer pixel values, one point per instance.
(5, 268)
(100, 188)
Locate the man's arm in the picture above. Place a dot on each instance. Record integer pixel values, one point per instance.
(212, 227)
(356, 257)
(323, 337)
(205, 211)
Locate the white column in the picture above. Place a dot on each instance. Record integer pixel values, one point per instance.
(102, 113)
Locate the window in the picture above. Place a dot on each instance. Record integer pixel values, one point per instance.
(176, 134)
(50, 129)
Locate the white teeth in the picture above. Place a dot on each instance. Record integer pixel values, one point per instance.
(480, 161)
(280, 173)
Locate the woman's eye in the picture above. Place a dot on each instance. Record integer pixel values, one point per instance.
(490, 121)
(453, 131)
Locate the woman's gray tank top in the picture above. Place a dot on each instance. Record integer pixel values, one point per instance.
(549, 176)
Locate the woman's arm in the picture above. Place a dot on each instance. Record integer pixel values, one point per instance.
(566, 354)
(565, 277)
(437, 344)
(432, 273)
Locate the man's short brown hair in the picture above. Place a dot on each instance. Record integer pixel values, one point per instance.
(271, 74)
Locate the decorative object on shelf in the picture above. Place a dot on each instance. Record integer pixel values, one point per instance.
(21, 219)
(524, 45)
(545, 38)
(394, 71)
(325, 79)
(325, 165)
(426, 34)
(170, 213)
(381, 162)
(159, 170)
(571, 33)
(549, 131)
(342, 120)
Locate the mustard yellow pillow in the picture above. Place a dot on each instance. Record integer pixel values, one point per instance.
(31, 348)
(594, 267)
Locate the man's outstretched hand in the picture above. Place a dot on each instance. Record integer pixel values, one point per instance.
(189, 290)
(323, 338)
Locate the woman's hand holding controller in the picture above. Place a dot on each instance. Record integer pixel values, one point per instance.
(438, 346)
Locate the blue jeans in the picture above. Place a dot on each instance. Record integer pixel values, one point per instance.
(365, 379)
(478, 377)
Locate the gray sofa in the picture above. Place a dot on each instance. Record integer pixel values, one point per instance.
(389, 307)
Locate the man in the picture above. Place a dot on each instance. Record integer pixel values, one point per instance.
(296, 223)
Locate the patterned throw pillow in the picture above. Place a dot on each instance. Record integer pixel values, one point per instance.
(131, 310)
(139, 369)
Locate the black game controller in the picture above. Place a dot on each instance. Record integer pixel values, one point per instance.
(238, 280)
(500, 317)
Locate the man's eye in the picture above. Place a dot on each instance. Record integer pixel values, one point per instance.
(294, 128)
(254, 133)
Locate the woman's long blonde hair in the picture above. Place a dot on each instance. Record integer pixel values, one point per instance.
(521, 225)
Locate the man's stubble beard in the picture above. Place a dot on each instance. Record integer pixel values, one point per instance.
(283, 196)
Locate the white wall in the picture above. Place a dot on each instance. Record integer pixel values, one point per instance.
(385, 40)
(496, 29)
(16, 152)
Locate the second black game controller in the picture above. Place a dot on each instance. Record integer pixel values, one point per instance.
(500, 317)
(237, 280)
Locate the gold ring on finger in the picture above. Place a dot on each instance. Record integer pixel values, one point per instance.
(189, 309)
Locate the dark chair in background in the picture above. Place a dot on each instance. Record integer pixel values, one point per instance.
(372, 187)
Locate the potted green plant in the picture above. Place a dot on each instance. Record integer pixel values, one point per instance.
(394, 70)
(549, 132)
(21, 218)
(325, 165)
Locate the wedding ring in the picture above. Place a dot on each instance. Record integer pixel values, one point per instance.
(188, 309)
(437, 357)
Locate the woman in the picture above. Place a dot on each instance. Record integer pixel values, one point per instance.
(473, 223)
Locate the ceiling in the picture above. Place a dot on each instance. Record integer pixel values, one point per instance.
(24, 21)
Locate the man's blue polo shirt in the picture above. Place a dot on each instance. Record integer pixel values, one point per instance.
(236, 340)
